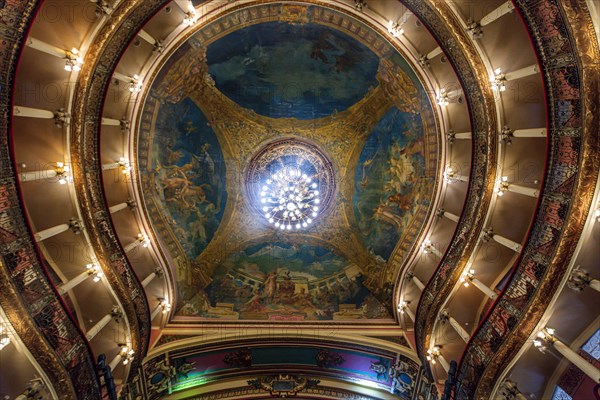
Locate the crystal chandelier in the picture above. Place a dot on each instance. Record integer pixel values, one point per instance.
(290, 199)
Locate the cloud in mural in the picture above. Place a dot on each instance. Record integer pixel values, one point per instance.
(284, 70)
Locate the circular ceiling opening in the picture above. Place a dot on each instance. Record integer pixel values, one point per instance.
(290, 184)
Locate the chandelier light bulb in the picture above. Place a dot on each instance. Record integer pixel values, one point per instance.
(289, 199)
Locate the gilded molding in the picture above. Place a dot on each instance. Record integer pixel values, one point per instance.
(565, 40)
(34, 309)
(238, 227)
(94, 78)
(442, 23)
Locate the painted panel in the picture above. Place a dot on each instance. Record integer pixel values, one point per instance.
(280, 70)
(286, 282)
(390, 181)
(188, 175)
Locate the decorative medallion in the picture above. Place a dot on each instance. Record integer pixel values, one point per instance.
(290, 182)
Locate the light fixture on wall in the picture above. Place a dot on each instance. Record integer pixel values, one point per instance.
(102, 8)
(126, 354)
(135, 85)
(433, 354)
(442, 98)
(395, 29)
(191, 17)
(4, 338)
(63, 173)
(360, 4)
(402, 306)
(290, 198)
(165, 305)
(124, 165)
(449, 175)
(73, 60)
(501, 186)
(544, 339)
(467, 277)
(95, 272)
(143, 239)
(498, 81)
(427, 246)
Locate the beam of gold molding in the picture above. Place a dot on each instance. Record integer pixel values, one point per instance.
(27, 330)
(583, 33)
(248, 334)
(481, 185)
(93, 79)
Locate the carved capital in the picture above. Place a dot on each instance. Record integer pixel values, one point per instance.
(579, 279)
(506, 135)
(75, 225)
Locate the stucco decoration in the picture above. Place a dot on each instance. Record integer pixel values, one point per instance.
(324, 91)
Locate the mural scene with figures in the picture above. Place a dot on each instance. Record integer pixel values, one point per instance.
(188, 175)
(389, 181)
(279, 281)
(221, 99)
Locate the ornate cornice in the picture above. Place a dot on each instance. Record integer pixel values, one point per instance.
(445, 27)
(32, 305)
(566, 44)
(94, 78)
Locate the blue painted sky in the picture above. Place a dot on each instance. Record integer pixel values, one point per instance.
(282, 70)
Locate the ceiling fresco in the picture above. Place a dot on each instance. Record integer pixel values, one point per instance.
(322, 90)
(280, 70)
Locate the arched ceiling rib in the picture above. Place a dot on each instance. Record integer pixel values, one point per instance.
(97, 191)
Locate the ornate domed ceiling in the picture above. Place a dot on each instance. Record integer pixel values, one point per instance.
(296, 88)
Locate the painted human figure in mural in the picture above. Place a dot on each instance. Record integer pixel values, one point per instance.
(206, 164)
(270, 285)
(254, 304)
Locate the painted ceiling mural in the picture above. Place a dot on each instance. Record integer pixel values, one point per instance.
(303, 76)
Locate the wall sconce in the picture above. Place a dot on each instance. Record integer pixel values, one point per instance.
(501, 186)
(498, 81)
(125, 165)
(4, 338)
(442, 98)
(191, 17)
(95, 272)
(166, 306)
(144, 240)
(135, 85)
(433, 354)
(395, 29)
(402, 306)
(545, 338)
(73, 60)
(467, 277)
(126, 354)
(62, 172)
